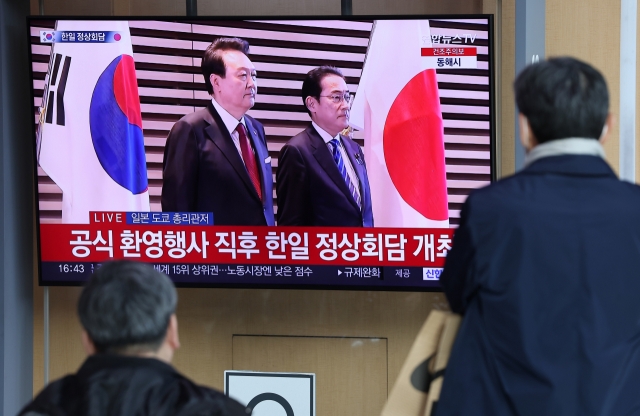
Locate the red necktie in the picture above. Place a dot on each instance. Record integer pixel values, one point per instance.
(249, 159)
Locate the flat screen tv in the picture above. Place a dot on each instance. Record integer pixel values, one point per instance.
(135, 161)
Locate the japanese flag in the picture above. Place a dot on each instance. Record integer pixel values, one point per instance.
(398, 107)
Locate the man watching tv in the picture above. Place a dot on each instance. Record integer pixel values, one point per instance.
(545, 266)
(130, 333)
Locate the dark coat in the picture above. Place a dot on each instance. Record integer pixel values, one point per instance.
(545, 268)
(108, 385)
(203, 171)
(310, 188)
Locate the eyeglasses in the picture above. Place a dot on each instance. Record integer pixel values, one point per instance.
(337, 98)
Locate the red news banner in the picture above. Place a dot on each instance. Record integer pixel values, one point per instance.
(108, 236)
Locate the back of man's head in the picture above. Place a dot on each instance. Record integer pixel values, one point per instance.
(562, 98)
(126, 308)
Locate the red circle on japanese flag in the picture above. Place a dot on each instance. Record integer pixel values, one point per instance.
(413, 142)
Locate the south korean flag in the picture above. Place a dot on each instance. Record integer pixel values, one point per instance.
(47, 36)
(53, 97)
(90, 139)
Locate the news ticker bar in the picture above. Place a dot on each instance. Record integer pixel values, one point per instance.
(262, 275)
(193, 244)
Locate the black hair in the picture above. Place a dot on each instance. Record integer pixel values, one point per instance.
(562, 98)
(312, 84)
(212, 61)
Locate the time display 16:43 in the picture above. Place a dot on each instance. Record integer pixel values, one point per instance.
(71, 268)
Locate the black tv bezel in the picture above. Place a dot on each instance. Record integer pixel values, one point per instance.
(197, 19)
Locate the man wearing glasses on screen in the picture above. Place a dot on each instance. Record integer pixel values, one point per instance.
(216, 159)
(322, 177)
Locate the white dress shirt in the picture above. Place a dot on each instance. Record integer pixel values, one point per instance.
(347, 162)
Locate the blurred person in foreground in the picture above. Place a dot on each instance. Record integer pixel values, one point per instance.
(545, 266)
(130, 333)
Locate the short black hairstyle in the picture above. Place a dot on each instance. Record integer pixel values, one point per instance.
(562, 97)
(126, 306)
(212, 62)
(312, 84)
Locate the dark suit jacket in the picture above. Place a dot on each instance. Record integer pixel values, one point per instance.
(545, 267)
(203, 171)
(311, 190)
(107, 385)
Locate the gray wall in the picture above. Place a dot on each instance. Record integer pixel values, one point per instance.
(16, 256)
(530, 41)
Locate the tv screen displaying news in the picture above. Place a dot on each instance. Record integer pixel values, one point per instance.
(260, 152)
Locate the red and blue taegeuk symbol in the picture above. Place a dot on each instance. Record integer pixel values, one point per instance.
(116, 125)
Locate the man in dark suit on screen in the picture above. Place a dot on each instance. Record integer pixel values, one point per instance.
(322, 177)
(216, 159)
(545, 266)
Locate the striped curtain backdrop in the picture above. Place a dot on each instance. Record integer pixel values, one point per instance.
(167, 57)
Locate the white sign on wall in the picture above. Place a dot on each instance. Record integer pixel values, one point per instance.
(273, 394)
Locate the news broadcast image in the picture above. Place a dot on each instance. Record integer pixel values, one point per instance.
(107, 93)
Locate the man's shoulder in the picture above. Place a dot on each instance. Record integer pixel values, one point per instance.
(524, 192)
(201, 400)
(154, 385)
(198, 117)
(493, 190)
(519, 180)
(217, 400)
(52, 399)
(189, 398)
(300, 140)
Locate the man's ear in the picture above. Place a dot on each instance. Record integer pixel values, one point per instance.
(609, 123)
(215, 82)
(87, 344)
(172, 338)
(527, 138)
(310, 102)
(170, 343)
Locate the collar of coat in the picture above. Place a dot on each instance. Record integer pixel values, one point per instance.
(568, 146)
